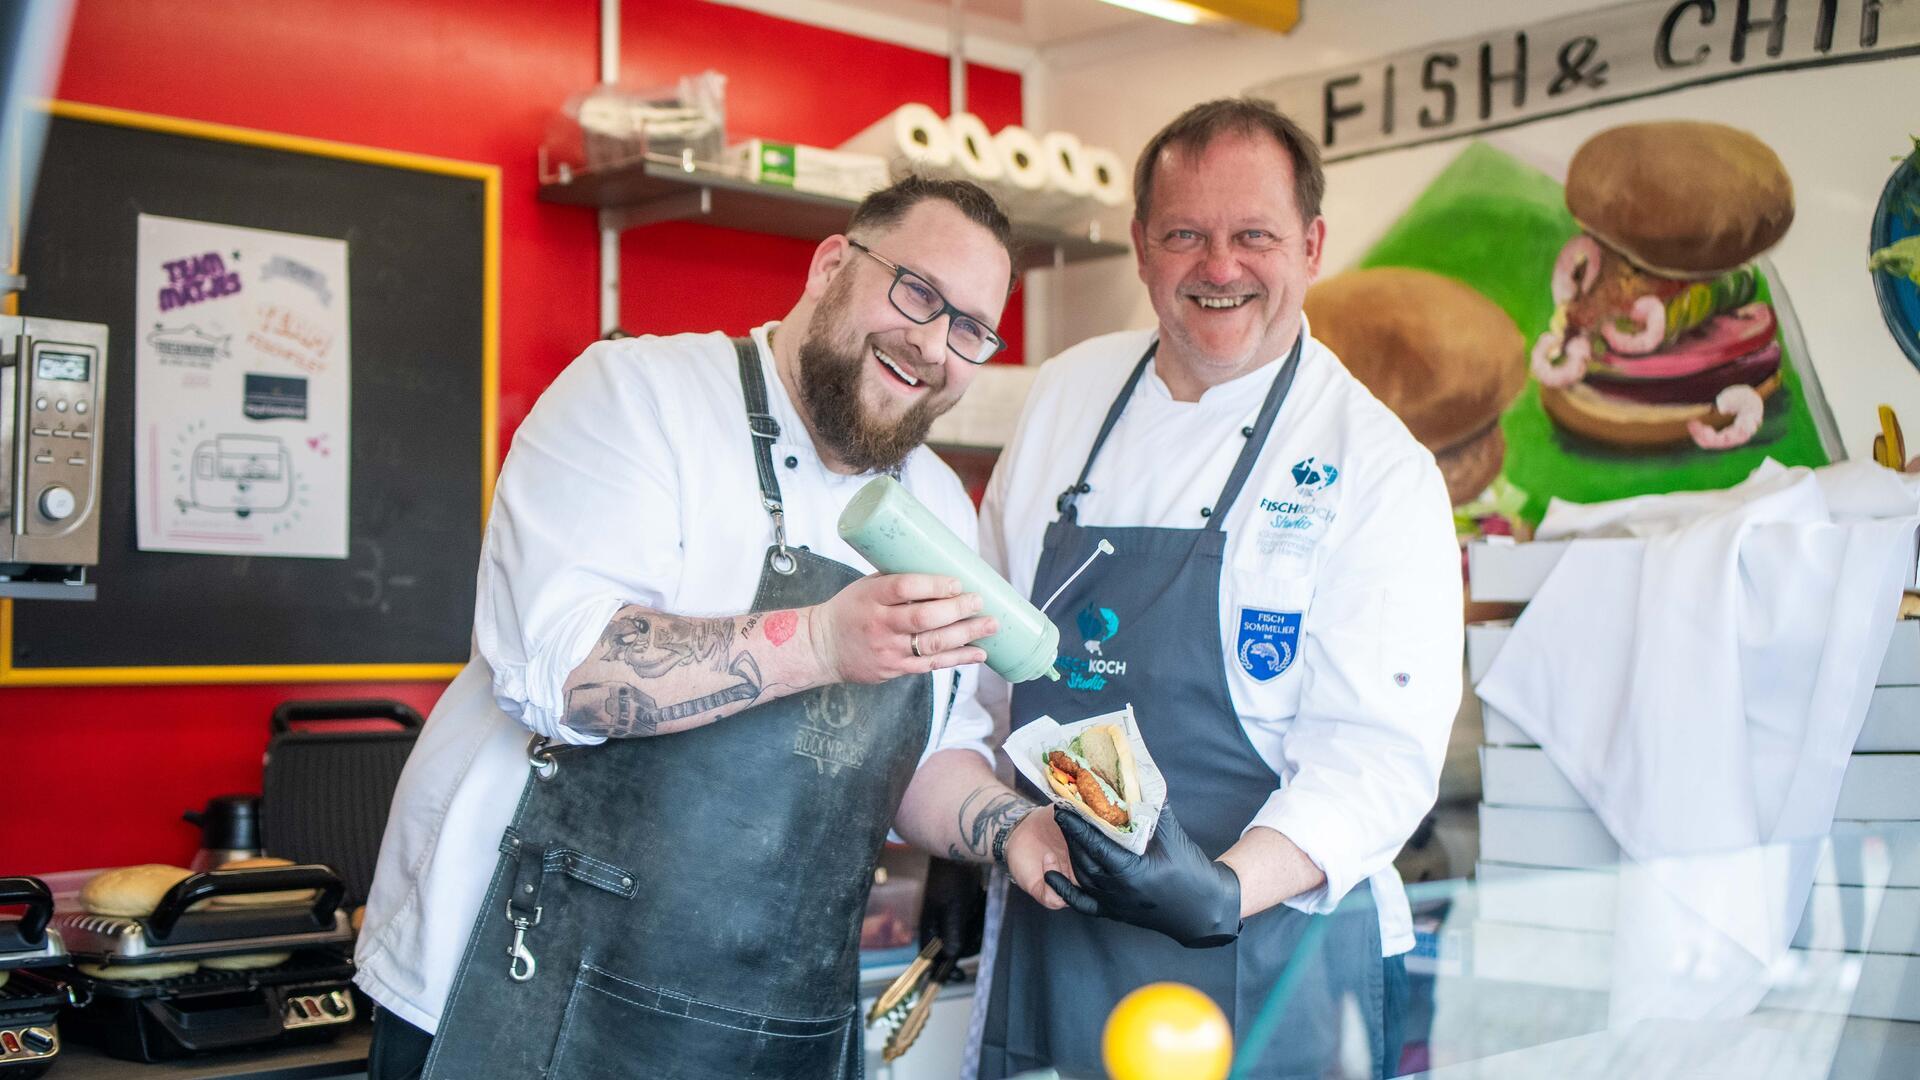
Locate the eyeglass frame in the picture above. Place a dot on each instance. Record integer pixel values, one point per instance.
(946, 306)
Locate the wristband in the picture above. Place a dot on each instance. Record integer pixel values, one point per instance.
(1008, 824)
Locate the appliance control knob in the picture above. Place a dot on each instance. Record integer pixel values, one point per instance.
(38, 1040)
(57, 503)
(337, 1003)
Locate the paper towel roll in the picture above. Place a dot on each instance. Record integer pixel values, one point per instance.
(1108, 175)
(1066, 167)
(912, 138)
(973, 148)
(1021, 155)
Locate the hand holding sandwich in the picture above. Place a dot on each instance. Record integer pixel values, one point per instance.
(1173, 888)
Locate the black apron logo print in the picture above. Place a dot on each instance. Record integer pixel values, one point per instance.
(822, 735)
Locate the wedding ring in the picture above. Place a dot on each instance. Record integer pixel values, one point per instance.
(913, 642)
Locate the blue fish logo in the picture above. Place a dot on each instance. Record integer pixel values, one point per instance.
(1096, 624)
(1309, 475)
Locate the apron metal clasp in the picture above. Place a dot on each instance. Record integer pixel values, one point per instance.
(522, 965)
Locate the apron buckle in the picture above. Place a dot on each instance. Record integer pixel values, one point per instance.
(544, 764)
(522, 965)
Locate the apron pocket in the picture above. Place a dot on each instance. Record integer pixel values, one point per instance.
(615, 1028)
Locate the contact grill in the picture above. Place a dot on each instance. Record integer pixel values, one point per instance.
(31, 1001)
(306, 998)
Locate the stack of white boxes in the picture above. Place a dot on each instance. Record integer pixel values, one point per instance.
(1546, 908)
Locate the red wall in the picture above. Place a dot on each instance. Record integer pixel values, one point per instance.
(98, 777)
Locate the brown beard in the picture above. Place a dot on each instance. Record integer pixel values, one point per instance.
(830, 389)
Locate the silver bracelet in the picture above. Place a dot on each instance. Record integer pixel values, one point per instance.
(1008, 824)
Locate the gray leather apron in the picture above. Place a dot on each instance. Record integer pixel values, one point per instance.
(1057, 974)
(691, 903)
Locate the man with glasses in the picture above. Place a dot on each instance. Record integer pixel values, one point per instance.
(1282, 612)
(637, 835)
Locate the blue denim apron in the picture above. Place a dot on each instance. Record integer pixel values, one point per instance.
(691, 903)
(1056, 974)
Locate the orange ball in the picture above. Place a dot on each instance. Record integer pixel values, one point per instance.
(1167, 1031)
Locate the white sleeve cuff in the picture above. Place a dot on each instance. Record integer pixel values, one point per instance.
(1321, 833)
(534, 693)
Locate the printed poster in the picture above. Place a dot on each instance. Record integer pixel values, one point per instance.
(241, 391)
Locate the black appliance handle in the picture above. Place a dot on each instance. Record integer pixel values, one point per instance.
(245, 1024)
(241, 882)
(31, 891)
(290, 712)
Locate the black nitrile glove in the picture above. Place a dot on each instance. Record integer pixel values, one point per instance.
(1174, 888)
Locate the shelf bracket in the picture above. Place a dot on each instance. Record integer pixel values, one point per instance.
(681, 206)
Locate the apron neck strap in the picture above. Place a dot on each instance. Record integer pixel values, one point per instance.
(1065, 504)
(1257, 436)
(1242, 467)
(764, 429)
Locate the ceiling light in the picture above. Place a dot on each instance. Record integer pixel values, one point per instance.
(1276, 15)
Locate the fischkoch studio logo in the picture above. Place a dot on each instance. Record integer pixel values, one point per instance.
(1310, 475)
(1097, 625)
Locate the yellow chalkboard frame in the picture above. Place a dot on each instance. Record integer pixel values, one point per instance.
(489, 176)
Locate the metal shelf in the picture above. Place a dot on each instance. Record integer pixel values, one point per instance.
(653, 189)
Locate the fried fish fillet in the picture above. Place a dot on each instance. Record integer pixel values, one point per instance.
(1091, 793)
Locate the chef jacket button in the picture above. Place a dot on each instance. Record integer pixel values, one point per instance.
(1206, 511)
(792, 462)
(1247, 432)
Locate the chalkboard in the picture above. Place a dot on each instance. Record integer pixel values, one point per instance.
(422, 237)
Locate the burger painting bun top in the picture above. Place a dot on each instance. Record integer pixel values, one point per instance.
(1659, 335)
(1681, 198)
(1445, 359)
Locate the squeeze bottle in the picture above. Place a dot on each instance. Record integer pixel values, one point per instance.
(899, 535)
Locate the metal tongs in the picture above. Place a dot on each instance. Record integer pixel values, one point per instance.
(907, 1001)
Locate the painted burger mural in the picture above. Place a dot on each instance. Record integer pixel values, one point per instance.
(1659, 335)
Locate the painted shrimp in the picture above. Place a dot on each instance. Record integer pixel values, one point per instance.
(1652, 316)
(1576, 269)
(1741, 402)
(1560, 362)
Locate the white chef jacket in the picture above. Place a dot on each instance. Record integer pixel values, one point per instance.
(1344, 519)
(631, 482)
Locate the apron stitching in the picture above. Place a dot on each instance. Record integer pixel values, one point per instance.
(828, 1026)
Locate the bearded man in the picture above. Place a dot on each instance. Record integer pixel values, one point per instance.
(636, 836)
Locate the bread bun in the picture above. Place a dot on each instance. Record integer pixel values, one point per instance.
(131, 891)
(1108, 751)
(1443, 357)
(246, 961)
(260, 899)
(1618, 422)
(166, 969)
(1471, 466)
(1682, 198)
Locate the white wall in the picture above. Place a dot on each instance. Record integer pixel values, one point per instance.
(1835, 128)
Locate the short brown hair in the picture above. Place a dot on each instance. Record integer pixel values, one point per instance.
(1196, 129)
(885, 208)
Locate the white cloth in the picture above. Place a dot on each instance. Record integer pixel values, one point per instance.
(1701, 683)
(1356, 727)
(632, 482)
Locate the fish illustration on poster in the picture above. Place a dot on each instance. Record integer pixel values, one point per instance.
(242, 379)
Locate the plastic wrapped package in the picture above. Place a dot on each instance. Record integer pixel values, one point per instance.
(610, 125)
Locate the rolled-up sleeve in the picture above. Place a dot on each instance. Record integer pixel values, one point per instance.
(585, 521)
(1381, 647)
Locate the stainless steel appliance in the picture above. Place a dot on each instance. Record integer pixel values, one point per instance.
(307, 997)
(30, 1001)
(52, 394)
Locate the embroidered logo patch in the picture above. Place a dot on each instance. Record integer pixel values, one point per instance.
(1269, 640)
(1313, 475)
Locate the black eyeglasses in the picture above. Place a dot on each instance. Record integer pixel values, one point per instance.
(917, 299)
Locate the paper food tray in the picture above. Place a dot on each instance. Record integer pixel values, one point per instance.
(1028, 746)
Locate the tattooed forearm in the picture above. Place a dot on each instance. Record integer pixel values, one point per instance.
(653, 673)
(986, 812)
